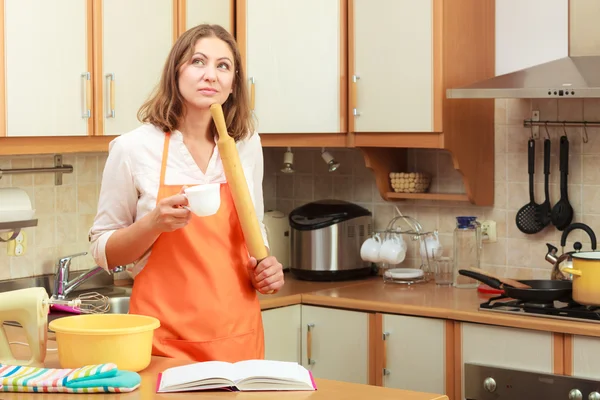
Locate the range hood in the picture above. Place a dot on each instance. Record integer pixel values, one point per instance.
(568, 77)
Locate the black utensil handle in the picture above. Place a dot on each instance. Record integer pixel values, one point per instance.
(531, 156)
(564, 155)
(547, 145)
(492, 282)
(583, 227)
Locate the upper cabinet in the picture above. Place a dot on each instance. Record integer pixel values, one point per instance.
(132, 46)
(394, 68)
(196, 12)
(294, 53)
(47, 68)
(75, 73)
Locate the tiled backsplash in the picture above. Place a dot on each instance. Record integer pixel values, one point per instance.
(66, 212)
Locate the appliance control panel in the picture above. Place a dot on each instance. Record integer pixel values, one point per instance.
(485, 382)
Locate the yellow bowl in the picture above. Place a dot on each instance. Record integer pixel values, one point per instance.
(122, 339)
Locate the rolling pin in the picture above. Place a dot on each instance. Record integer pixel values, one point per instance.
(239, 188)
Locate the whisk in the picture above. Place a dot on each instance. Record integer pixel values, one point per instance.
(87, 303)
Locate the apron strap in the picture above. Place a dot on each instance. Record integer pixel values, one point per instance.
(165, 156)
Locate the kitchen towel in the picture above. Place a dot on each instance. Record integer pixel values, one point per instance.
(101, 378)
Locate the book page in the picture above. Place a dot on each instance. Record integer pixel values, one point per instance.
(273, 370)
(197, 372)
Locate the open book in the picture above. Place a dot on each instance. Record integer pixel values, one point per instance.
(259, 375)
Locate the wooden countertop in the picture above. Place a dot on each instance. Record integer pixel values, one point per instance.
(326, 389)
(429, 300)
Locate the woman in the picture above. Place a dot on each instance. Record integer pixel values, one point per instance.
(192, 273)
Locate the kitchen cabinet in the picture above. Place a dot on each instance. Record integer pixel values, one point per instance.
(47, 68)
(196, 12)
(294, 57)
(505, 347)
(414, 353)
(130, 51)
(403, 55)
(68, 65)
(335, 343)
(584, 361)
(393, 67)
(282, 327)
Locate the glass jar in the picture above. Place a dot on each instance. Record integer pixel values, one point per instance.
(467, 250)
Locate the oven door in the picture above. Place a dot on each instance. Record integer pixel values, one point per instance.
(484, 382)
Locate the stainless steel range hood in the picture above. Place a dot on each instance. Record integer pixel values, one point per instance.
(577, 75)
(569, 77)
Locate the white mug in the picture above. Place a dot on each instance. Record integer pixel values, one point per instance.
(393, 250)
(369, 251)
(204, 200)
(434, 247)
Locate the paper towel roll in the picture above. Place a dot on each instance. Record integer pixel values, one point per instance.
(15, 205)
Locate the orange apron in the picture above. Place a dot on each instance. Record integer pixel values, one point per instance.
(196, 283)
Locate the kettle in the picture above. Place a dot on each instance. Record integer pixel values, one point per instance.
(552, 258)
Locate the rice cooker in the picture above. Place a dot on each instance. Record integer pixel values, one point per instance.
(326, 236)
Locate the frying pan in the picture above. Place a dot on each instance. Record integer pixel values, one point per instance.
(542, 290)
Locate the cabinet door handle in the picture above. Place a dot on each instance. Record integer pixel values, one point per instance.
(385, 370)
(111, 95)
(354, 96)
(252, 93)
(309, 328)
(86, 111)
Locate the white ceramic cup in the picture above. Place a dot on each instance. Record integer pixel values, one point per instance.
(393, 251)
(369, 251)
(204, 200)
(434, 247)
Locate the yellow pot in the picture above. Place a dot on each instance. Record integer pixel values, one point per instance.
(586, 277)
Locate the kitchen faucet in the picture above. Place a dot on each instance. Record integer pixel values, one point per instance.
(62, 285)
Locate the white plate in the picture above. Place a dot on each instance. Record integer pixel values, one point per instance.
(404, 273)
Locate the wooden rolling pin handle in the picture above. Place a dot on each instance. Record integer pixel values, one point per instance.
(238, 186)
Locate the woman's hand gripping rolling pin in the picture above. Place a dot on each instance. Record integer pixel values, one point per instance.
(267, 276)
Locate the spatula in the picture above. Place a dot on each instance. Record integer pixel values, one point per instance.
(238, 186)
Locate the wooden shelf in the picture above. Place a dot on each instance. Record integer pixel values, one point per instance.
(428, 196)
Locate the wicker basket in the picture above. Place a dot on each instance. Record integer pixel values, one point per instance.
(410, 182)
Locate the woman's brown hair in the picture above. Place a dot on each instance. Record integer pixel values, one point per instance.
(165, 107)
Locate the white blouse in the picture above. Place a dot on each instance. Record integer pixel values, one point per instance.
(131, 176)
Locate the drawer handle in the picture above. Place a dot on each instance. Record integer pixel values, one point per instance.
(252, 93)
(354, 96)
(111, 95)
(86, 111)
(385, 370)
(309, 328)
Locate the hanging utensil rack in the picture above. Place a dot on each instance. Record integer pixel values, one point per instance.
(534, 123)
(58, 170)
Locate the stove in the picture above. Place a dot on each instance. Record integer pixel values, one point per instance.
(567, 311)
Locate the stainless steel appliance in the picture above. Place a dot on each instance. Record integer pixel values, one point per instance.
(326, 240)
(484, 382)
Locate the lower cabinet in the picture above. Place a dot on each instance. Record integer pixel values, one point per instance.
(505, 347)
(585, 351)
(414, 353)
(335, 343)
(282, 333)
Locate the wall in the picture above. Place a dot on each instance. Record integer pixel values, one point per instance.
(514, 254)
(66, 212)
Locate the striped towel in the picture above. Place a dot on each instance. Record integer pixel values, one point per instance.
(101, 378)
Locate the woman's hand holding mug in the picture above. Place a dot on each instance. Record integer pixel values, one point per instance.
(170, 213)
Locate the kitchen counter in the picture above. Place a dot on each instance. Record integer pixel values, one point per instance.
(430, 300)
(426, 300)
(327, 389)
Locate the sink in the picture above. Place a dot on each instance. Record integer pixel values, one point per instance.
(118, 305)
